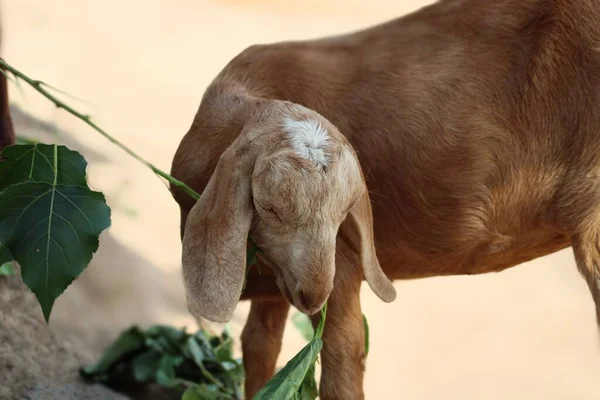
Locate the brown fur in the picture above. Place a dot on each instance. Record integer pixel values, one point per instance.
(477, 127)
(7, 135)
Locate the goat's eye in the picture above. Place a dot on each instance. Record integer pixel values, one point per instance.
(268, 209)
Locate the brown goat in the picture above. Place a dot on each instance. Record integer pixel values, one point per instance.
(476, 124)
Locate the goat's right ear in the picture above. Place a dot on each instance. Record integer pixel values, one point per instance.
(215, 236)
(362, 217)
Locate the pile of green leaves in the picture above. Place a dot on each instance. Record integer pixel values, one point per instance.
(202, 366)
(50, 219)
(199, 364)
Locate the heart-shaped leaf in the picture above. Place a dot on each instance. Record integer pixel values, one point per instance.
(50, 220)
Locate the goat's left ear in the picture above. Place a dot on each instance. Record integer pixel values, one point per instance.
(362, 217)
(215, 237)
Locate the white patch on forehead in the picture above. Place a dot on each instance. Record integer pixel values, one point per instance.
(309, 139)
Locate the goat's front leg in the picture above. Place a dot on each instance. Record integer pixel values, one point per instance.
(261, 341)
(343, 355)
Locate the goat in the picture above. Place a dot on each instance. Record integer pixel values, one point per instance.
(476, 124)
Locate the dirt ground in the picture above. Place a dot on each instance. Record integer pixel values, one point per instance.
(34, 362)
(142, 66)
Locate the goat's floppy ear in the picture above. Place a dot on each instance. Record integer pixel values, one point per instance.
(362, 217)
(215, 236)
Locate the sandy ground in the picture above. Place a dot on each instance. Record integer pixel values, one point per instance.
(528, 333)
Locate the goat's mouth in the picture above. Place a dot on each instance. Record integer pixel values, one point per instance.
(284, 289)
(294, 297)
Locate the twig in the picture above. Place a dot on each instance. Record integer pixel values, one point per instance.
(39, 86)
(69, 95)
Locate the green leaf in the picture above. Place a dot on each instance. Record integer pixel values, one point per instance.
(145, 366)
(195, 351)
(192, 393)
(287, 382)
(304, 326)
(250, 261)
(7, 269)
(166, 371)
(52, 231)
(250, 255)
(171, 334)
(309, 389)
(49, 220)
(35, 163)
(202, 392)
(224, 351)
(230, 365)
(165, 339)
(321, 326)
(205, 344)
(128, 342)
(366, 324)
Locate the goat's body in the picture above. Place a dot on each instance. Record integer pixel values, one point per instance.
(446, 145)
(476, 123)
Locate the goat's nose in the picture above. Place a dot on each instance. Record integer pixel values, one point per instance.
(308, 301)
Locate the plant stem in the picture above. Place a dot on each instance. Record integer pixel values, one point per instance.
(39, 86)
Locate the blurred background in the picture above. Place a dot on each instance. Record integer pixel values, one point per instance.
(141, 68)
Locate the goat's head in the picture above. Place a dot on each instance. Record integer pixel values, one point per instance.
(289, 180)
